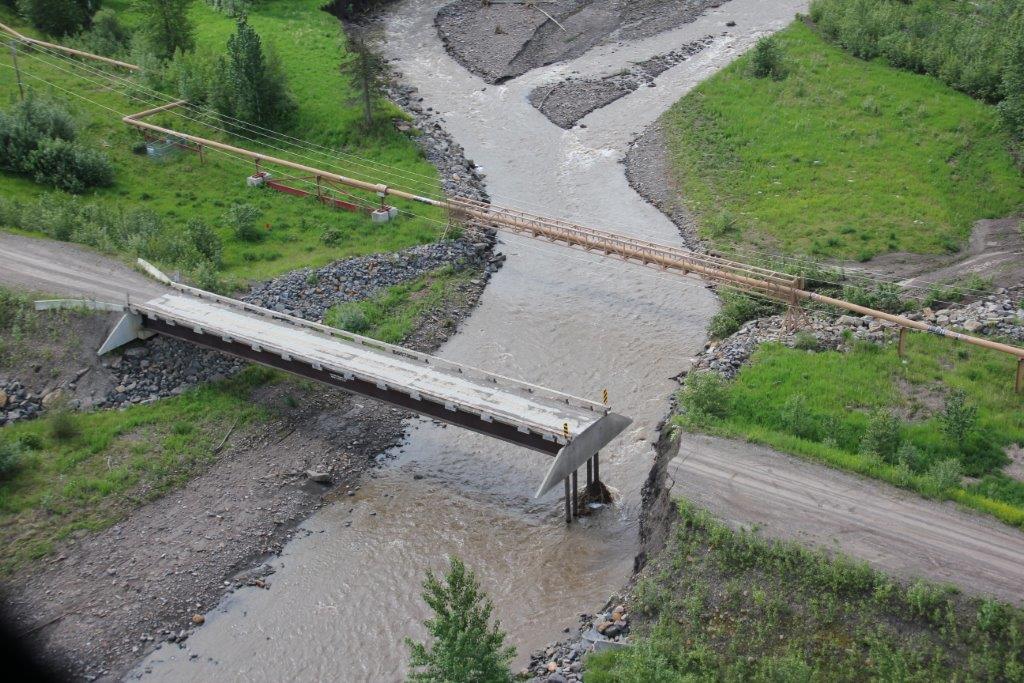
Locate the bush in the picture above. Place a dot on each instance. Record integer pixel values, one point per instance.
(11, 454)
(106, 36)
(166, 27)
(466, 645)
(766, 60)
(882, 436)
(737, 309)
(704, 394)
(806, 341)
(958, 419)
(205, 241)
(942, 476)
(1012, 106)
(351, 318)
(68, 167)
(63, 424)
(231, 8)
(37, 138)
(797, 418)
(58, 17)
(241, 218)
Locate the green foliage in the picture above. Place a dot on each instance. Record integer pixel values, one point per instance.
(366, 70)
(883, 297)
(959, 419)
(36, 138)
(766, 60)
(206, 242)
(69, 167)
(942, 476)
(882, 436)
(242, 220)
(843, 158)
(806, 341)
(63, 424)
(166, 27)
(352, 319)
(798, 419)
(251, 85)
(11, 456)
(1012, 105)
(58, 17)
(737, 309)
(704, 395)
(466, 645)
(231, 8)
(725, 605)
(107, 36)
(974, 47)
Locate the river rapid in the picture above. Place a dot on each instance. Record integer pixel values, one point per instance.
(345, 595)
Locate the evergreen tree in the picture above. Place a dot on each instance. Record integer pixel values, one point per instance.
(166, 26)
(366, 71)
(59, 17)
(466, 646)
(250, 84)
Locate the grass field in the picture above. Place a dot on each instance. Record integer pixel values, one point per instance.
(819, 405)
(722, 605)
(311, 45)
(842, 158)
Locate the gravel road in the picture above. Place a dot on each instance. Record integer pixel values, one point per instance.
(894, 530)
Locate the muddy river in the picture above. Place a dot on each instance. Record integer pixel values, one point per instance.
(345, 595)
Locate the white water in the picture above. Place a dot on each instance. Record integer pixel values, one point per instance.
(343, 598)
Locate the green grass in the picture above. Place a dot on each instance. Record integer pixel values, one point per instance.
(115, 461)
(843, 158)
(724, 605)
(818, 405)
(391, 315)
(311, 45)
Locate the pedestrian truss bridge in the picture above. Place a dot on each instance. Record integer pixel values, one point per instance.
(570, 428)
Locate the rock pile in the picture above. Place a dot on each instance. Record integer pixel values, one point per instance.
(563, 661)
(17, 402)
(997, 314)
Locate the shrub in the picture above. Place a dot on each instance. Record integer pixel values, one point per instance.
(704, 394)
(63, 425)
(737, 309)
(58, 17)
(882, 436)
(466, 645)
(241, 218)
(766, 60)
(11, 454)
(106, 36)
(205, 241)
(797, 418)
(351, 318)
(958, 419)
(942, 476)
(806, 341)
(68, 167)
(910, 455)
(1012, 106)
(166, 27)
(231, 8)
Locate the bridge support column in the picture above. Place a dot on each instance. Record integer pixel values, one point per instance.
(568, 503)
(575, 496)
(590, 473)
(597, 468)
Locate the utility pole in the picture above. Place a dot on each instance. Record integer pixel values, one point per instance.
(17, 69)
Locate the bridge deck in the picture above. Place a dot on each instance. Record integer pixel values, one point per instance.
(569, 427)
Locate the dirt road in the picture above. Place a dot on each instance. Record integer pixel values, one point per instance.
(894, 530)
(50, 267)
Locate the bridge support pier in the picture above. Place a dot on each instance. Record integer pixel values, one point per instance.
(575, 495)
(568, 503)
